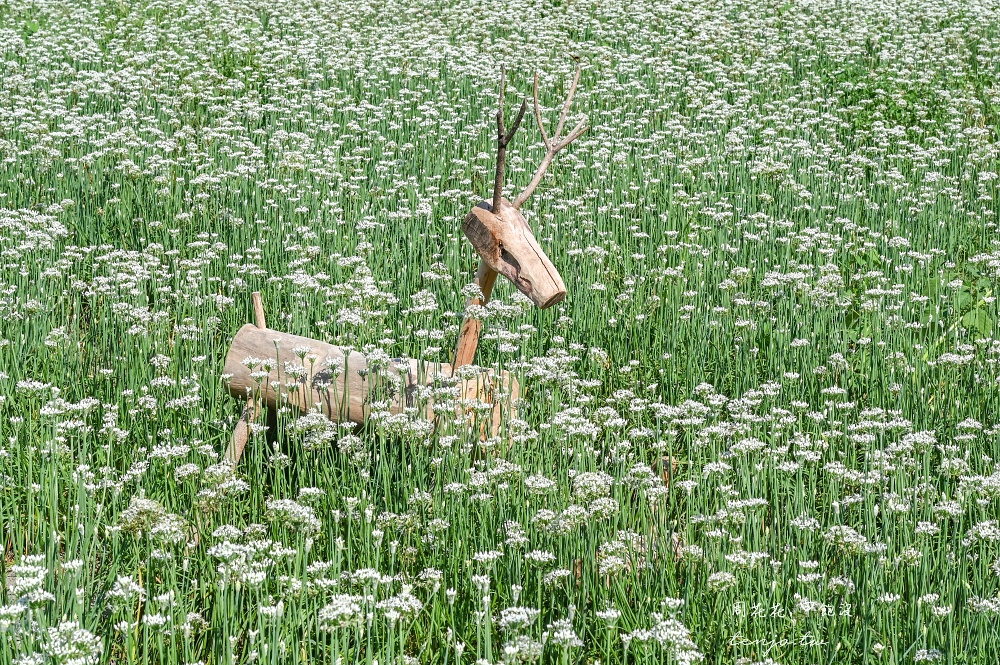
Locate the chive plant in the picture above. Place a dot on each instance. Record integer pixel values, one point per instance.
(762, 427)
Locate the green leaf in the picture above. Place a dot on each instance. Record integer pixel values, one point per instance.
(979, 321)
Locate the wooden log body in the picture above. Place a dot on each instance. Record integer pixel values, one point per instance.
(338, 383)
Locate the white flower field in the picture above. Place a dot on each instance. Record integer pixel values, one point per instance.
(762, 428)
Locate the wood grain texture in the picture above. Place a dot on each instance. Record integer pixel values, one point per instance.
(504, 241)
(258, 310)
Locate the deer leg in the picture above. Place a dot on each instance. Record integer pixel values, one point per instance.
(241, 433)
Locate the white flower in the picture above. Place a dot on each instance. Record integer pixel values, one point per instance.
(539, 557)
(69, 643)
(552, 578)
(603, 508)
(287, 512)
(342, 611)
(125, 592)
(588, 486)
(522, 649)
(561, 634)
(487, 556)
(403, 604)
(539, 484)
(721, 580)
(846, 539)
(927, 656)
(609, 615)
(517, 618)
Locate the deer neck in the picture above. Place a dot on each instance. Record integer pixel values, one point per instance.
(468, 336)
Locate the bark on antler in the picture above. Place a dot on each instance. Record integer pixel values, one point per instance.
(500, 233)
(503, 138)
(486, 276)
(557, 142)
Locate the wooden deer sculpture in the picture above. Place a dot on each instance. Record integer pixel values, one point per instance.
(261, 364)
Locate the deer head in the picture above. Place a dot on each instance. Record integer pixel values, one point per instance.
(505, 242)
(499, 232)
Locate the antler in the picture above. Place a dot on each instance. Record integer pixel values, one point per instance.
(556, 143)
(486, 277)
(501, 235)
(503, 138)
